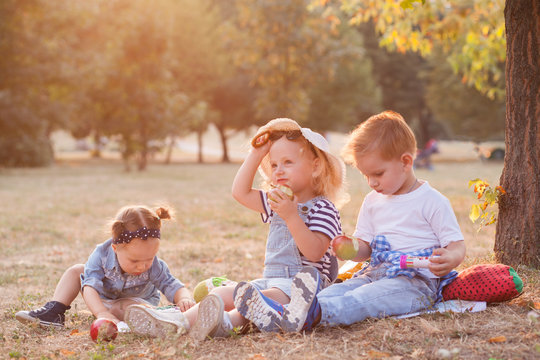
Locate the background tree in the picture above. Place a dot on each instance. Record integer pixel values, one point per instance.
(472, 34)
(34, 88)
(282, 53)
(518, 226)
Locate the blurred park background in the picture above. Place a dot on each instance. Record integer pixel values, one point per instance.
(136, 77)
(92, 88)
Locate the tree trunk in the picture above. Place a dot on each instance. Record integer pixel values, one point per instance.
(223, 137)
(170, 147)
(518, 228)
(200, 147)
(96, 153)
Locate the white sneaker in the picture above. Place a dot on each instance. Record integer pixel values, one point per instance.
(211, 322)
(156, 322)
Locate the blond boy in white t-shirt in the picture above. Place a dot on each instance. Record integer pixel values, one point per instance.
(402, 215)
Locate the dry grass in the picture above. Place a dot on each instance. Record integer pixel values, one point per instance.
(52, 218)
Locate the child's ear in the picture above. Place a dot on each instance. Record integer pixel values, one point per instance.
(407, 159)
(317, 167)
(113, 247)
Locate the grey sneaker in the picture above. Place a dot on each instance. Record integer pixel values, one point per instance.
(50, 315)
(210, 320)
(304, 310)
(156, 322)
(262, 311)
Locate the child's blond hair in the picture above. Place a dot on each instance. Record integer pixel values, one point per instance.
(329, 182)
(387, 133)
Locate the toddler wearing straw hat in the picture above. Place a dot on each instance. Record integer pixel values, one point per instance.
(302, 181)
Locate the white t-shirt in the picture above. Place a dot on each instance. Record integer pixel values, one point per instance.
(414, 221)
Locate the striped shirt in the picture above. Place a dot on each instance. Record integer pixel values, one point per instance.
(323, 217)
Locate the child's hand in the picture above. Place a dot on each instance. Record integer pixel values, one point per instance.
(107, 315)
(445, 262)
(262, 149)
(282, 204)
(185, 303)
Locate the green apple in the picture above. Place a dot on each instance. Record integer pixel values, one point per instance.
(345, 247)
(284, 189)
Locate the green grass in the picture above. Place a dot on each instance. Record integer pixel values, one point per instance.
(53, 218)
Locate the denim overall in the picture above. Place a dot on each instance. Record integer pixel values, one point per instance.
(282, 259)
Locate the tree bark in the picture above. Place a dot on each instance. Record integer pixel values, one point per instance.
(223, 138)
(518, 227)
(200, 158)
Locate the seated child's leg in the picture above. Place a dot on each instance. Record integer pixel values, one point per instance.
(303, 312)
(226, 294)
(340, 289)
(69, 285)
(156, 322)
(120, 306)
(258, 307)
(212, 320)
(384, 297)
(52, 314)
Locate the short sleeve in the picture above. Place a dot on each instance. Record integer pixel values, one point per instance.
(444, 223)
(265, 216)
(324, 218)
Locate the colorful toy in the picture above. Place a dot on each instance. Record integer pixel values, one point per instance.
(103, 330)
(204, 287)
(407, 261)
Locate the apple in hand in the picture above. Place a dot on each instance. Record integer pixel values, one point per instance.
(103, 329)
(346, 248)
(284, 189)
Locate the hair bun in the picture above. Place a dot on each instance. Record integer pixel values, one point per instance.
(164, 213)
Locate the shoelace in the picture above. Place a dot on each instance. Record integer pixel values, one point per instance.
(43, 309)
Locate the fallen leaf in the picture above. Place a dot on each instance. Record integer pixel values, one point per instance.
(497, 339)
(428, 327)
(536, 305)
(74, 331)
(218, 260)
(377, 354)
(281, 338)
(67, 352)
(80, 333)
(257, 357)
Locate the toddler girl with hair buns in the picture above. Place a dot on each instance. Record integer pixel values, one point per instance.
(123, 275)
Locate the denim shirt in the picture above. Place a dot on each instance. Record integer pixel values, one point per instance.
(103, 273)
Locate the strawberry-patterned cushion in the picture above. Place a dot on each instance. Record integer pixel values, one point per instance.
(485, 282)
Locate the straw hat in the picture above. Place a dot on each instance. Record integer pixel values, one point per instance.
(283, 124)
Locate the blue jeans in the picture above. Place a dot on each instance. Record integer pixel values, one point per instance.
(374, 295)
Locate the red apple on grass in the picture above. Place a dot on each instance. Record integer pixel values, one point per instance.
(103, 330)
(345, 247)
